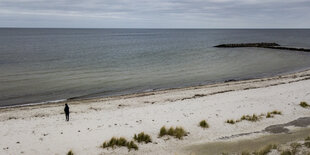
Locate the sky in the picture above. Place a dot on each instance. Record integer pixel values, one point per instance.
(155, 13)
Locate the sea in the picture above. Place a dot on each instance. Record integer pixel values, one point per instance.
(42, 65)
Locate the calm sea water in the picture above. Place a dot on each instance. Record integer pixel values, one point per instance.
(39, 65)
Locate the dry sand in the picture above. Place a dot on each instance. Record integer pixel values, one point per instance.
(42, 129)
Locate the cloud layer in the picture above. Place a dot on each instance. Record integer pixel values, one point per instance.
(156, 13)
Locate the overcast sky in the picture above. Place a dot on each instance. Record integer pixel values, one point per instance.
(156, 13)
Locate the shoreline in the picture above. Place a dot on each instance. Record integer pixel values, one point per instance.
(152, 92)
(39, 129)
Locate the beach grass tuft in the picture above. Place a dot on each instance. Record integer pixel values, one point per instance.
(276, 112)
(271, 114)
(286, 152)
(120, 142)
(142, 137)
(163, 131)
(245, 153)
(252, 118)
(70, 153)
(177, 132)
(265, 150)
(231, 121)
(203, 124)
(304, 104)
(132, 145)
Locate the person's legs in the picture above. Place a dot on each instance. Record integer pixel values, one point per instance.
(67, 117)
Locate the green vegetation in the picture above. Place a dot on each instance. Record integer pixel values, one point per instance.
(177, 132)
(132, 145)
(230, 121)
(204, 124)
(120, 142)
(70, 153)
(287, 152)
(307, 139)
(245, 153)
(307, 144)
(304, 104)
(295, 146)
(163, 131)
(142, 137)
(271, 114)
(265, 150)
(252, 118)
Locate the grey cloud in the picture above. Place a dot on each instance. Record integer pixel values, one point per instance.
(155, 13)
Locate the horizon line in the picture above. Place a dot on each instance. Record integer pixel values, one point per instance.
(140, 28)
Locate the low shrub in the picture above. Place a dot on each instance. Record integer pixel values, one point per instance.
(177, 132)
(142, 137)
(204, 124)
(307, 144)
(304, 104)
(120, 142)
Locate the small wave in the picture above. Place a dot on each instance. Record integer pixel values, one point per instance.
(31, 104)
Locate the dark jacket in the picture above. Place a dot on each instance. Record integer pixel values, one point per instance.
(66, 109)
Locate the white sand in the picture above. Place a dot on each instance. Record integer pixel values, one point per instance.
(38, 128)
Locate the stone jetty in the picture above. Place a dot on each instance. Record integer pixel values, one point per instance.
(262, 45)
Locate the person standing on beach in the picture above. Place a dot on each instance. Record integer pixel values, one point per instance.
(67, 112)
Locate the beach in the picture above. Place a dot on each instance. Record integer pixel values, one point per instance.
(42, 129)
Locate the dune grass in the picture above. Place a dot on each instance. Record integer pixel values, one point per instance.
(70, 153)
(163, 131)
(204, 124)
(265, 150)
(142, 137)
(132, 145)
(271, 114)
(119, 142)
(231, 121)
(177, 132)
(252, 118)
(286, 152)
(304, 104)
(245, 153)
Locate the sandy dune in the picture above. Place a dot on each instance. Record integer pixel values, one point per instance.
(42, 129)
